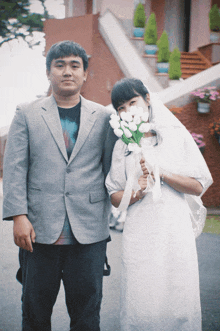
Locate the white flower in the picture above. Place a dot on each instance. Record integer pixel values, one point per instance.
(118, 132)
(127, 133)
(145, 116)
(114, 124)
(123, 124)
(126, 116)
(132, 126)
(133, 147)
(134, 110)
(144, 127)
(115, 117)
(137, 119)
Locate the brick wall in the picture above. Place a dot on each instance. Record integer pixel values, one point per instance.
(199, 123)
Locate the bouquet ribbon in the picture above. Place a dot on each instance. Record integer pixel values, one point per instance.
(152, 185)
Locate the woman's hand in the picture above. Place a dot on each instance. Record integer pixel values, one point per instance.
(142, 181)
(144, 169)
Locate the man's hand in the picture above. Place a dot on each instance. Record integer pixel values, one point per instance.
(24, 233)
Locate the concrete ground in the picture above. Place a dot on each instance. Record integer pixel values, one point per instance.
(10, 290)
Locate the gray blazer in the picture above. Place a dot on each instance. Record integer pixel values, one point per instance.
(41, 182)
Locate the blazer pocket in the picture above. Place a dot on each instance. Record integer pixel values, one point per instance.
(97, 196)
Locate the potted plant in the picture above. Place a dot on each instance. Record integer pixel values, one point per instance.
(214, 24)
(139, 21)
(204, 97)
(198, 138)
(150, 35)
(214, 129)
(163, 54)
(175, 66)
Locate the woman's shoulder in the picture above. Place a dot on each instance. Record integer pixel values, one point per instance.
(120, 148)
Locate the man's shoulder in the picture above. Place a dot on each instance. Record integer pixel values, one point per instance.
(105, 110)
(33, 104)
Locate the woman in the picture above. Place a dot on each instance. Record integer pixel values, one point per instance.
(160, 281)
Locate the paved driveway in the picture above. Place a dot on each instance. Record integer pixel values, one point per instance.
(10, 290)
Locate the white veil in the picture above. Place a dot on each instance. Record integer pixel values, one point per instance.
(179, 154)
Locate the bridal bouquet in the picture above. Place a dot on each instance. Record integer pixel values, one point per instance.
(131, 126)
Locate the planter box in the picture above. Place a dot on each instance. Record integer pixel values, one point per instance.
(138, 32)
(214, 37)
(150, 49)
(163, 67)
(203, 107)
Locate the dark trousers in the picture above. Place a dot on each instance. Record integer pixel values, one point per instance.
(81, 269)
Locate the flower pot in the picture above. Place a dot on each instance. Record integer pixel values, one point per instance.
(214, 37)
(151, 49)
(203, 107)
(138, 32)
(163, 67)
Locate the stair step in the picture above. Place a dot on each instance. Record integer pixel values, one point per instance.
(191, 71)
(191, 61)
(185, 76)
(189, 56)
(193, 57)
(201, 66)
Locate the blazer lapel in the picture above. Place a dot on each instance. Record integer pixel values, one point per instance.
(52, 119)
(87, 120)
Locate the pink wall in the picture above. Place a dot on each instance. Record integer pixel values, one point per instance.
(123, 9)
(199, 24)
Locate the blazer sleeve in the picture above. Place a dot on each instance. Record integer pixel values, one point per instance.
(15, 168)
(109, 143)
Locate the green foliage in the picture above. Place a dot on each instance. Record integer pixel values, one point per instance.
(150, 34)
(139, 16)
(16, 20)
(163, 54)
(214, 18)
(175, 65)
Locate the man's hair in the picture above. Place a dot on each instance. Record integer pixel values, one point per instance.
(126, 89)
(63, 49)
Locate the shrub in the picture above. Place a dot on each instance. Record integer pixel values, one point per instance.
(139, 16)
(163, 48)
(175, 65)
(214, 18)
(150, 34)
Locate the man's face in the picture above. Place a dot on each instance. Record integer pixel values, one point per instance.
(67, 75)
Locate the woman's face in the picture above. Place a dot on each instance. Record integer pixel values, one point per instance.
(136, 101)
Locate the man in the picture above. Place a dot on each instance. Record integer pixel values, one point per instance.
(57, 156)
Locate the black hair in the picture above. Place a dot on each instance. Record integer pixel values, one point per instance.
(63, 49)
(126, 89)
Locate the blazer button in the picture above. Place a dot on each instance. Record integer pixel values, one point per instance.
(67, 194)
(68, 170)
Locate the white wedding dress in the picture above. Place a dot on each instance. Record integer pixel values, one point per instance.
(159, 275)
